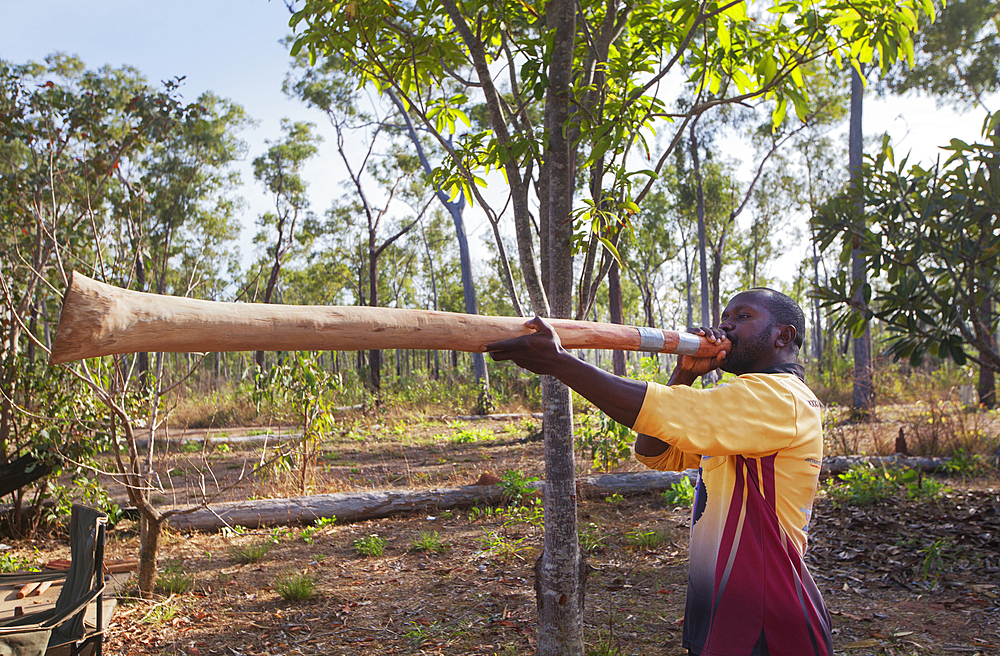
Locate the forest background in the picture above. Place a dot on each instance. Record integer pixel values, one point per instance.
(364, 195)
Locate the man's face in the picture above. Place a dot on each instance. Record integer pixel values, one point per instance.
(748, 324)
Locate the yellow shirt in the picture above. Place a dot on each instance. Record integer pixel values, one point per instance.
(758, 444)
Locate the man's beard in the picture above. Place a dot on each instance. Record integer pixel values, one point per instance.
(744, 354)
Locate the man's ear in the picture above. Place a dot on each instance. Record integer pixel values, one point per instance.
(786, 337)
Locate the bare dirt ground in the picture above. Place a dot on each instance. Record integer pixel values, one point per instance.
(899, 577)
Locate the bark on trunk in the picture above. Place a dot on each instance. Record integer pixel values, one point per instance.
(615, 301)
(702, 246)
(864, 392)
(560, 571)
(149, 544)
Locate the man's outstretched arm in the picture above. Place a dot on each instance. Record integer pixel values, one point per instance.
(541, 352)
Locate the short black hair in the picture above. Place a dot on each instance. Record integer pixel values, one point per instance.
(786, 311)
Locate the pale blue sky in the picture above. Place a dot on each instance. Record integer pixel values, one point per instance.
(232, 47)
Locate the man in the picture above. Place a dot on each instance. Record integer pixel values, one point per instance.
(757, 442)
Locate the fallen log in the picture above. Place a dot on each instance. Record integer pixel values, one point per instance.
(833, 465)
(358, 506)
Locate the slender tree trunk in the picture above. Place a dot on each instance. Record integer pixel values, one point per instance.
(702, 246)
(864, 391)
(560, 572)
(142, 365)
(374, 357)
(987, 387)
(615, 301)
(689, 300)
(456, 210)
(149, 546)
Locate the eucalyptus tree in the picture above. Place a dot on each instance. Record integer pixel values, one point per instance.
(67, 133)
(601, 69)
(279, 169)
(957, 56)
(90, 159)
(329, 82)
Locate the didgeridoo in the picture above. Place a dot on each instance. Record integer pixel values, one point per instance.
(99, 319)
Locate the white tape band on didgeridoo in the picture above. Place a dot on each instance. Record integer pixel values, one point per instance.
(652, 339)
(687, 344)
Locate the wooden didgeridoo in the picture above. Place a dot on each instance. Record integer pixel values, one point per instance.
(99, 319)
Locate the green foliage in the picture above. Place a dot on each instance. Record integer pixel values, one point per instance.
(608, 442)
(725, 52)
(251, 552)
(970, 465)
(370, 546)
(957, 54)
(517, 487)
(471, 435)
(502, 546)
(679, 494)
(866, 485)
(935, 555)
(863, 485)
(930, 237)
(429, 541)
(306, 534)
(325, 522)
(162, 613)
(295, 587)
(646, 539)
(301, 383)
(13, 562)
(172, 579)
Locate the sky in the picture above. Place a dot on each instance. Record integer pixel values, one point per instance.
(232, 48)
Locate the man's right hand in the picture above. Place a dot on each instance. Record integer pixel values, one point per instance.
(689, 367)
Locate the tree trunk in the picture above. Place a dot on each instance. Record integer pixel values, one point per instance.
(149, 545)
(864, 392)
(987, 387)
(615, 301)
(702, 246)
(560, 573)
(817, 314)
(374, 357)
(456, 209)
(362, 505)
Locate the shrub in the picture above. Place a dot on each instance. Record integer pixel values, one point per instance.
(370, 546)
(863, 485)
(429, 541)
(250, 553)
(295, 587)
(679, 494)
(517, 487)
